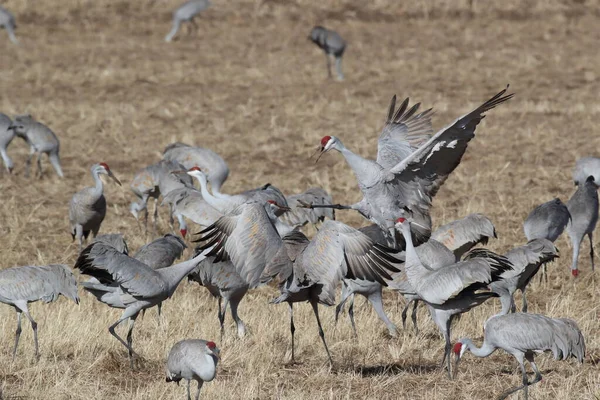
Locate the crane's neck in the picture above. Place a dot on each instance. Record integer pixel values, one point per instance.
(174, 275)
(367, 172)
(220, 204)
(485, 350)
(207, 369)
(99, 186)
(413, 265)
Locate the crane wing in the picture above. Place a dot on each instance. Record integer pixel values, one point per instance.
(249, 239)
(529, 258)
(403, 133)
(465, 233)
(108, 265)
(420, 175)
(300, 216)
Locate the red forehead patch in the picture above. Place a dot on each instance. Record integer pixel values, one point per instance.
(457, 347)
(196, 168)
(211, 345)
(105, 165)
(272, 202)
(401, 220)
(325, 140)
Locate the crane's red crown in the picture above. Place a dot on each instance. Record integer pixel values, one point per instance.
(196, 168)
(325, 140)
(105, 165)
(211, 345)
(400, 220)
(457, 347)
(272, 202)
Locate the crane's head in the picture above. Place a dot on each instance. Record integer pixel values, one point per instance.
(196, 172)
(212, 349)
(327, 143)
(102, 168)
(459, 349)
(276, 206)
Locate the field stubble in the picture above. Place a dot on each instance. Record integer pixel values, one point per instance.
(251, 87)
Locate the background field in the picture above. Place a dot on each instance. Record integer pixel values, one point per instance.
(249, 85)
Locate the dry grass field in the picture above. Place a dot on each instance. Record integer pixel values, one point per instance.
(249, 85)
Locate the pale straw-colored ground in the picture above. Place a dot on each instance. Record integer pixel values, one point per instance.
(250, 86)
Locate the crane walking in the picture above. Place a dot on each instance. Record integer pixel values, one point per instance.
(22, 285)
(332, 45)
(193, 359)
(522, 335)
(87, 208)
(583, 207)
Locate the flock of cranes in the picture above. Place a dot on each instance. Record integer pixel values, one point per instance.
(254, 238)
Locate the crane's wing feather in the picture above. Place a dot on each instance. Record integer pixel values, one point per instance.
(403, 133)
(465, 233)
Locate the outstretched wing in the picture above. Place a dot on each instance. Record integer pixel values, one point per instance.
(420, 175)
(403, 133)
(463, 234)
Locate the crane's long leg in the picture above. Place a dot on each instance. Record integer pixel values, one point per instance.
(155, 214)
(538, 374)
(222, 319)
(524, 300)
(17, 332)
(130, 338)
(126, 314)
(328, 59)
(507, 393)
(413, 316)
(23, 307)
(576, 242)
(346, 294)
(234, 302)
(159, 306)
(351, 315)
(315, 307)
(377, 302)
(338, 68)
(591, 249)
(189, 396)
(28, 162)
(39, 165)
(199, 387)
(447, 347)
(405, 312)
(292, 327)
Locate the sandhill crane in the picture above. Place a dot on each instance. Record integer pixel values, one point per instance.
(7, 21)
(298, 216)
(40, 140)
(523, 335)
(223, 282)
(189, 203)
(88, 206)
(584, 167)
(583, 207)
(22, 285)
(186, 13)
(547, 221)
(332, 45)
(410, 166)
(454, 289)
(526, 261)
(193, 359)
(115, 240)
(336, 252)
(6, 136)
(128, 283)
(213, 165)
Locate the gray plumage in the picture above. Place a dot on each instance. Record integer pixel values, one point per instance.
(213, 165)
(412, 183)
(115, 240)
(547, 221)
(40, 140)
(332, 45)
(298, 216)
(188, 203)
(583, 207)
(193, 359)
(526, 261)
(463, 234)
(223, 282)
(186, 13)
(162, 252)
(7, 21)
(125, 282)
(523, 335)
(87, 208)
(584, 167)
(22, 285)
(6, 136)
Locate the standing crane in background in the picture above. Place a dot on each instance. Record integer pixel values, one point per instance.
(6, 136)
(127, 283)
(332, 45)
(40, 140)
(87, 208)
(7, 21)
(410, 166)
(523, 335)
(22, 285)
(583, 207)
(193, 359)
(186, 13)
(547, 221)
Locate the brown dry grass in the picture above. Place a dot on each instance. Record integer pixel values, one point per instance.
(249, 86)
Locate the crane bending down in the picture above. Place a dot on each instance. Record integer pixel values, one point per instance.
(22, 285)
(523, 335)
(6, 137)
(193, 359)
(547, 221)
(411, 166)
(7, 21)
(87, 208)
(332, 45)
(127, 283)
(186, 13)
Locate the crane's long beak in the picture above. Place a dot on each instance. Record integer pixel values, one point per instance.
(179, 172)
(457, 360)
(283, 208)
(114, 178)
(322, 151)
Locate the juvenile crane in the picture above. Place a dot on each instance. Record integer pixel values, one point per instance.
(40, 140)
(127, 283)
(22, 285)
(186, 13)
(332, 45)
(7, 21)
(523, 335)
(88, 206)
(583, 207)
(411, 166)
(193, 359)
(6, 136)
